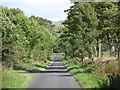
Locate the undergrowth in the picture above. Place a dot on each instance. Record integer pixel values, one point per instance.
(10, 78)
(95, 74)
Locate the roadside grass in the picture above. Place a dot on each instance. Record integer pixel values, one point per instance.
(87, 80)
(12, 80)
(83, 76)
(35, 67)
(96, 75)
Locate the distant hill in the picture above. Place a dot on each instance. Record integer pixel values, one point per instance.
(58, 24)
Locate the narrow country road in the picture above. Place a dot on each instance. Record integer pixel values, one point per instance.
(55, 76)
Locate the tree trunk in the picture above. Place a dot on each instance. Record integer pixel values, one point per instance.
(119, 53)
(99, 48)
(111, 46)
(112, 50)
(65, 55)
(118, 50)
(95, 48)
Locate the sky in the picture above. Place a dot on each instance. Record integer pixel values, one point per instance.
(49, 9)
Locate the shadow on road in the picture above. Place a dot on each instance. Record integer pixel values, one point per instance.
(54, 71)
(56, 67)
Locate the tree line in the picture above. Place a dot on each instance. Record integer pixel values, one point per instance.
(24, 39)
(91, 28)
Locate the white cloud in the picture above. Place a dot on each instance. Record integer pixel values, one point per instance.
(50, 9)
(45, 2)
(37, 2)
(60, 17)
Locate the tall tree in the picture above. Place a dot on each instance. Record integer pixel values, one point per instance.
(81, 30)
(24, 39)
(107, 13)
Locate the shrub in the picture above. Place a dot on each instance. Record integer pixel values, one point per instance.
(112, 67)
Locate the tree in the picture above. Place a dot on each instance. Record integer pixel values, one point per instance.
(81, 30)
(107, 13)
(24, 39)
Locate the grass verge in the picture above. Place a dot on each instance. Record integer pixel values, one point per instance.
(83, 76)
(12, 80)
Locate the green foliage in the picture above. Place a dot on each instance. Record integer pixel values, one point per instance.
(79, 34)
(90, 29)
(43, 22)
(92, 75)
(24, 39)
(112, 81)
(108, 14)
(27, 46)
(112, 67)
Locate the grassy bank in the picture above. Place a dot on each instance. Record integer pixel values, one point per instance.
(82, 76)
(94, 74)
(10, 78)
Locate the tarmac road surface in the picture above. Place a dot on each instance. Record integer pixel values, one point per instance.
(55, 76)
